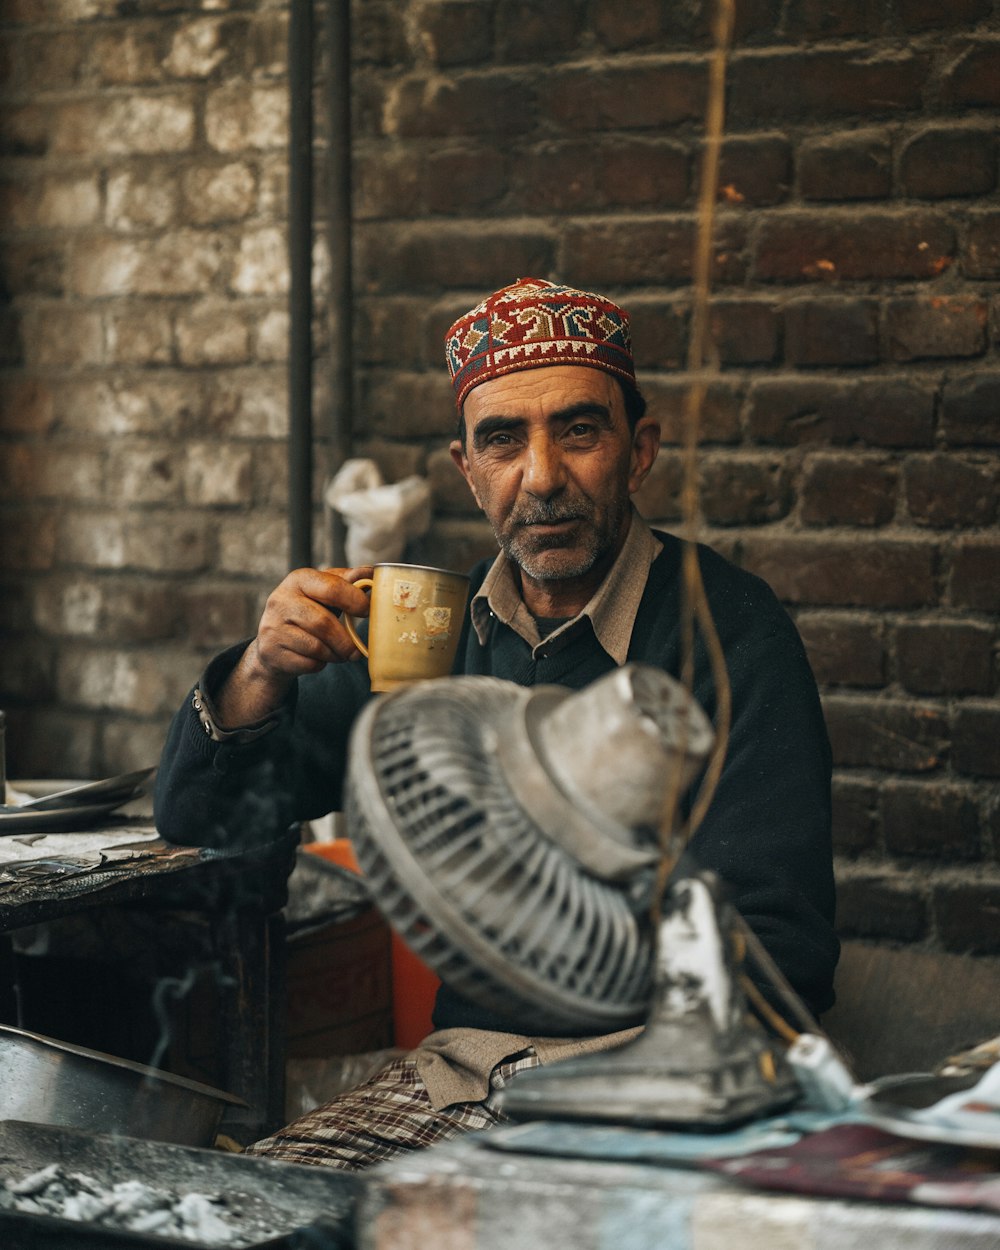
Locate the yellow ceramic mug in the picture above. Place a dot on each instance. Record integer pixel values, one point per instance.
(414, 623)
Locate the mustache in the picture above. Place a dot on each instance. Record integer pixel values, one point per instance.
(541, 513)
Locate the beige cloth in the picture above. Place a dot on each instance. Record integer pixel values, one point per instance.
(455, 1064)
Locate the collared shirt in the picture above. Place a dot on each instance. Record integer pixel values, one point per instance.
(610, 611)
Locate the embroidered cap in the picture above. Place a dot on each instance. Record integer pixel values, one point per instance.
(534, 323)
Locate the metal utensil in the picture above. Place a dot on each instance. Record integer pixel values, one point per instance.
(51, 1082)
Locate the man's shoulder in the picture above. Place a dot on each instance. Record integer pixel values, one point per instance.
(717, 570)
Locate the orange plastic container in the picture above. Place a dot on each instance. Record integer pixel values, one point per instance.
(414, 985)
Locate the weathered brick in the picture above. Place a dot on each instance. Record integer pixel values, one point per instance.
(200, 47)
(427, 256)
(719, 416)
(968, 916)
(141, 199)
(930, 820)
(46, 471)
(159, 405)
(975, 574)
(557, 178)
(391, 331)
(477, 103)
(449, 490)
(815, 19)
(659, 333)
(638, 172)
(777, 85)
(11, 338)
(147, 472)
(54, 57)
(659, 497)
(139, 334)
(852, 166)
(884, 412)
(246, 403)
(26, 403)
(457, 182)
(976, 739)
(525, 32)
(946, 490)
(859, 572)
(69, 606)
(395, 183)
(27, 668)
(25, 131)
(128, 55)
(877, 905)
(134, 611)
(269, 341)
(28, 540)
(16, 600)
(755, 171)
(945, 657)
(744, 490)
(455, 33)
(848, 490)
(949, 161)
(982, 246)
(33, 266)
(853, 247)
(261, 264)
(831, 332)
(411, 405)
(974, 78)
(917, 329)
(183, 263)
(844, 650)
(240, 117)
(917, 15)
(744, 332)
(119, 126)
(630, 97)
(55, 203)
(212, 332)
(886, 733)
(51, 743)
(855, 816)
(620, 24)
(214, 475)
(216, 193)
(127, 745)
(260, 550)
(215, 615)
(62, 335)
(142, 683)
(970, 410)
(647, 251)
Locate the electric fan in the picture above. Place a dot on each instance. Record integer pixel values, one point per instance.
(510, 836)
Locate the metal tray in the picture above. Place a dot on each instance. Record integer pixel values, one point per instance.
(311, 1208)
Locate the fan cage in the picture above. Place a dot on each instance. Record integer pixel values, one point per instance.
(469, 880)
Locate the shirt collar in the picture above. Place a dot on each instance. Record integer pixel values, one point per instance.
(611, 609)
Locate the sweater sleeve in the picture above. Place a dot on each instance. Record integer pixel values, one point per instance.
(236, 794)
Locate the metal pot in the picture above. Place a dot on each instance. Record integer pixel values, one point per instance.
(50, 1082)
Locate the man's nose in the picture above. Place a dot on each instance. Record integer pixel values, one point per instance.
(544, 470)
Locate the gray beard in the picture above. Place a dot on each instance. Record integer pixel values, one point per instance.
(518, 548)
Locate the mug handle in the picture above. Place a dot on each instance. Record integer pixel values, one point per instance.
(361, 583)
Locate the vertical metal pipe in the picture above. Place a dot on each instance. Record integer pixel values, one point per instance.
(300, 234)
(338, 197)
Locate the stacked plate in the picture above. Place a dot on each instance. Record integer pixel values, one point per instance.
(47, 806)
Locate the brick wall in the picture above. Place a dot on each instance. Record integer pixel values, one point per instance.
(850, 442)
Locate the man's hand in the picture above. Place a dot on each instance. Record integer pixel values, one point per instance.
(299, 632)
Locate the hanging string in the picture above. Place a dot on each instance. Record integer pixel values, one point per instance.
(700, 363)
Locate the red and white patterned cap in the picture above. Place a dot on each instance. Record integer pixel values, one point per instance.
(532, 324)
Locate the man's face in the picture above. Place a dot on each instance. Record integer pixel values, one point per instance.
(552, 463)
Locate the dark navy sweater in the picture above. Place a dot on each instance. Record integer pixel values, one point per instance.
(766, 832)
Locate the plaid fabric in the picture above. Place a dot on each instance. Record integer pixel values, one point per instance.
(387, 1115)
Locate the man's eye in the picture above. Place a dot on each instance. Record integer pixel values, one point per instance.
(580, 431)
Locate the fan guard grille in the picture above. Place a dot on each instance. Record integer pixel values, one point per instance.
(470, 882)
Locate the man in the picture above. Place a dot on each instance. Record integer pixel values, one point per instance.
(553, 441)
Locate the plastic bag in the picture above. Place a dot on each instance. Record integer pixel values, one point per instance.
(381, 519)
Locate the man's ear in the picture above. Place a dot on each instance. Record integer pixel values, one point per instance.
(645, 446)
(462, 464)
